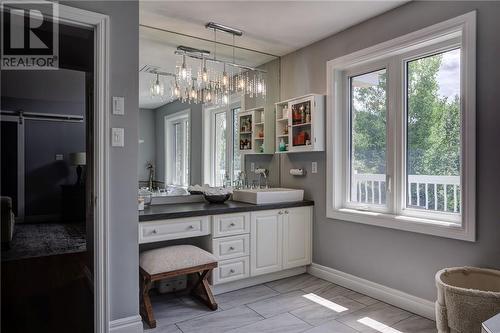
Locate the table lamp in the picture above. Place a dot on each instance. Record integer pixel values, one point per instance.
(78, 160)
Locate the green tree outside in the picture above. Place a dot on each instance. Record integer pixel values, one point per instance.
(433, 124)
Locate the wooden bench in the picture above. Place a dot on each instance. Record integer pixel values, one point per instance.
(158, 264)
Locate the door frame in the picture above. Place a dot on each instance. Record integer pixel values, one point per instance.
(100, 23)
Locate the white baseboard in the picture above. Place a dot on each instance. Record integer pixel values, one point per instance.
(132, 324)
(253, 281)
(395, 297)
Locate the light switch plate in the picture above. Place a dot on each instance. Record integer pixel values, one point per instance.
(117, 137)
(314, 167)
(118, 105)
(59, 157)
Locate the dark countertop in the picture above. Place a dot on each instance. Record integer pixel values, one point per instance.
(162, 212)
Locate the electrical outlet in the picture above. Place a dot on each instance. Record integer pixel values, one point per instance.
(252, 166)
(314, 167)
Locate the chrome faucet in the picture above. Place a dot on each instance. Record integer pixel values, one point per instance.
(262, 172)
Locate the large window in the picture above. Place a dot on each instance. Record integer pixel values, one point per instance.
(433, 132)
(177, 148)
(368, 112)
(402, 136)
(223, 162)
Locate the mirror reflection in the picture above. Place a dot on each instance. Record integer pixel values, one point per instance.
(206, 111)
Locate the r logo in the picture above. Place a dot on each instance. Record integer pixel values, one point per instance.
(30, 35)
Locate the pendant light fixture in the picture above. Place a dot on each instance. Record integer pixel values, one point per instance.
(210, 85)
(157, 88)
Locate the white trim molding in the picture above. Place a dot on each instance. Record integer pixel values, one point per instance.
(420, 306)
(132, 324)
(393, 55)
(101, 26)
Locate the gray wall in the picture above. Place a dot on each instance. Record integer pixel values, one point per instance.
(196, 120)
(147, 142)
(269, 162)
(398, 259)
(60, 92)
(123, 216)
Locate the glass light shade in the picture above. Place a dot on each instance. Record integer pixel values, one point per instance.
(157, 88)
(79, 158)
(225, 79)
(184, 68)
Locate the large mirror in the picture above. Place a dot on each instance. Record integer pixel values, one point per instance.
(189, 120)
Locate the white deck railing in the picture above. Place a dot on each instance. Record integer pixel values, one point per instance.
(438, 193)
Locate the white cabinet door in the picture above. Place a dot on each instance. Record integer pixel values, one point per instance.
(297, 234)
(266, 242)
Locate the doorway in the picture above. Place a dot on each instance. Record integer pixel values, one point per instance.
(48, 182)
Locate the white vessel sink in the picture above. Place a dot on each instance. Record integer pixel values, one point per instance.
(268, 195)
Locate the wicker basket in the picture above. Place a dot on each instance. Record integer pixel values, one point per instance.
(467, 296)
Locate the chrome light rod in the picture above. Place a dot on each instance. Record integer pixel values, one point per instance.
(154, 70)
(161, 73)
(225, 28)
(194, 56)
(189, 49)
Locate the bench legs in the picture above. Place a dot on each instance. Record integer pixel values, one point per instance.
(202, 291)
(146, 309)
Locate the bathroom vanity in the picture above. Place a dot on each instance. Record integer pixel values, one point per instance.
(253, 243)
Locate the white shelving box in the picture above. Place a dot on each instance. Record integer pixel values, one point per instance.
(300, 124)
(253, 129)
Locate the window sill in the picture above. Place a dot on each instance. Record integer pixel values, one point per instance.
(406, 223)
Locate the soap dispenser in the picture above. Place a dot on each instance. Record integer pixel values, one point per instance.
(282, 146)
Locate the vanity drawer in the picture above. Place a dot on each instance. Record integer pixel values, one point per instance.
(231, 247)
(231, 270)
(173, 229)
(231, 224)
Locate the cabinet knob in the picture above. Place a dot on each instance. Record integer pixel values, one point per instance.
(286, 212)
(231, 271)
(232, 224)
(190, 227)
(231, 248)
(154, 231)
(280, 212)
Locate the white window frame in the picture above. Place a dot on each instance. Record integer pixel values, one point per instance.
(443, 36)
(209, 139)
(170, 121)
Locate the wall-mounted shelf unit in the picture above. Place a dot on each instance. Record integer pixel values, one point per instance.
(253, 131)
(300, 124)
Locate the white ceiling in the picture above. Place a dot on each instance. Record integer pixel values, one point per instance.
(275, 27)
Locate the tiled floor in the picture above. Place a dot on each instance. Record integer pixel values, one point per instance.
(298, 304)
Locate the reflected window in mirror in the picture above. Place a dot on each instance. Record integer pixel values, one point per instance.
(236, 144)
(220, 160)
(177, 145)
(225, 160)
